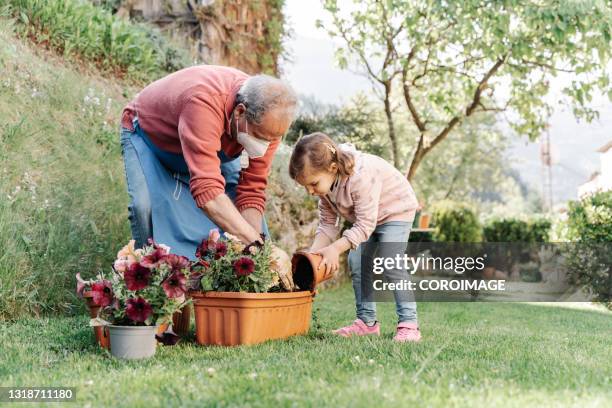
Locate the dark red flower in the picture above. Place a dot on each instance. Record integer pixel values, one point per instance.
(176, 262)
(202, 249)
(137, 277)
(220, 250)
(244, 266)
(138, 310)
(102, 293)
(174, 285)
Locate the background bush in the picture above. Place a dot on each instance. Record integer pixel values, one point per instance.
(590, 220)
(515, 230)
(589, 255)
(455, 222)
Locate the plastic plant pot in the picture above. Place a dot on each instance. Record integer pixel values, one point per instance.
(236, 318)
(132, 342)
(101, 332)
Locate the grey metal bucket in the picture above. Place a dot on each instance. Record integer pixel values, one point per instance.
(132, 342)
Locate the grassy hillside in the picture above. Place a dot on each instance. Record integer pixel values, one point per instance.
(63, 203)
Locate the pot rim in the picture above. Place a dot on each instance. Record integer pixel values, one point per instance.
(249, 295)
(123, 327)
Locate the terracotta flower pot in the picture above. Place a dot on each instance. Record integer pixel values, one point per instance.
(181, 321)
(101, 332)
(234, 318)
(307, 273)
(424, 221)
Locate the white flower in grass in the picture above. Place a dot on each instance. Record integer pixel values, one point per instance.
(253, 376)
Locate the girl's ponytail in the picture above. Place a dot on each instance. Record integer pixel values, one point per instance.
(321, 152)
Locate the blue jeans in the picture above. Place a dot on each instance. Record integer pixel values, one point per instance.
(139, 208)
(391, 232)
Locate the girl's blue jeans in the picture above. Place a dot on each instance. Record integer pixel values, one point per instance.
(396, 233)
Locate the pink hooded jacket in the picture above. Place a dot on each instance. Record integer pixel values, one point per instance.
(374, 194)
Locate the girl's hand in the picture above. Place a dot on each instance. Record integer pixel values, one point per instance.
(330, 260)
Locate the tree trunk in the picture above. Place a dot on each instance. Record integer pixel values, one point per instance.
(416, 159)
(391, 125)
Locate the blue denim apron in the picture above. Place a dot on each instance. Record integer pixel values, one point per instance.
(176, 219)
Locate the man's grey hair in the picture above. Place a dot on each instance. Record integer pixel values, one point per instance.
(263, 93)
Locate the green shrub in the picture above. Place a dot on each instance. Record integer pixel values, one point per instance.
(455, 222)
(515, 230)
(590, 220)
(79, 29)
(589, 258)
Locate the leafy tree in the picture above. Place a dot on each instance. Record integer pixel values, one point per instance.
(451, 60)
(357, 122)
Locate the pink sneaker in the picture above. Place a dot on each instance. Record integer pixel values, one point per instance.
(358, 328)
(407, 332)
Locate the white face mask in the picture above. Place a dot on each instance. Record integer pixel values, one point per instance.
(254, 147)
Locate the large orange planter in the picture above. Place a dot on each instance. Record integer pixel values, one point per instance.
(307, 271)
(234, 318)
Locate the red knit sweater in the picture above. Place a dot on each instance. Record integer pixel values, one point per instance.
(189, 112)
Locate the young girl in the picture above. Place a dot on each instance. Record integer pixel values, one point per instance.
(379, 201)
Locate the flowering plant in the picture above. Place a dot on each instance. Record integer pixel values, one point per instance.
(225, 264)
(145, 288)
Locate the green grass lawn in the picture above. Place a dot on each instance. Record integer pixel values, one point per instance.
(472, 354)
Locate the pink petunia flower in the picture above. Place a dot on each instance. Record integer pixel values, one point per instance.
(152, 260)
(102, 293)
(137, 277)
(176, 262)
(213, 235)
(175, 285)
(138, 310)
(244, 266)
(127, 252)
(122, 265)
(164, 248)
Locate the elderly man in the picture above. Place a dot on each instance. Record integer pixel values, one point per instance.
(182, 139)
